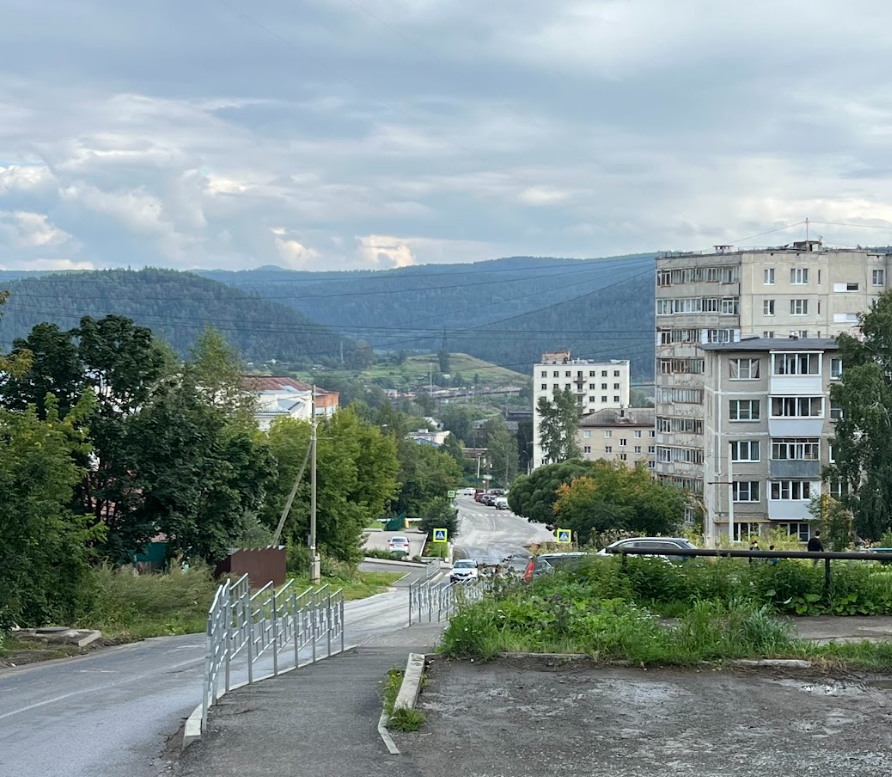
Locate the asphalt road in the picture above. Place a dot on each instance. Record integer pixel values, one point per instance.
(490, 535)
(377, 540)
(110, 713)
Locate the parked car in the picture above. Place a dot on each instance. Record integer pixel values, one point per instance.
(398, 544)
(463, 570)
(487, 499)
(501, 503)
(478, 495)
(549, 562)
(659, 544)
(497, 492)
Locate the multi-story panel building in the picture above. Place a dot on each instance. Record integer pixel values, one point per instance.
(596, 384)
(767, 428)
(624, 434)
(803, 290)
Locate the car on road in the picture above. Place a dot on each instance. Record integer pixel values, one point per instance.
(464, 570)
(487, 499)
(469, 492)
(545, 563)
(501, 503)
(398, 544)
(478, 495)
(660, 545)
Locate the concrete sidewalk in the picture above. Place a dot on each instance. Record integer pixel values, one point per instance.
(321, 720)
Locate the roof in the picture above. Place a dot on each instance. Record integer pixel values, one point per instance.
(277, 383)
(776, 344)
(610, 416)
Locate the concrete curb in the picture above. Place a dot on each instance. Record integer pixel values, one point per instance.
(554, 659)
(411, 684)
(773, 663)
(192, 730)
(392, 562)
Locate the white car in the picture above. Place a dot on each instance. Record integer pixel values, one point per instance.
(501, 503)
(464, 570)
(468, 492)
(398, 545)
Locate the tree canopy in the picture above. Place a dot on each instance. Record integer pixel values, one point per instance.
(533, 496)
(558, 425)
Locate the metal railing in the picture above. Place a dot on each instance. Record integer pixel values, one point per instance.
(264, 625)
(430, 602)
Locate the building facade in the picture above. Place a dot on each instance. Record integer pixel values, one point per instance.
(767, 431)
(285, 397)
(625, 435)
(596, 384)
(804, 291)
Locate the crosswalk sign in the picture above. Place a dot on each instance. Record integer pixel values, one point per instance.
(440, 535)
(564, 536)
(450, 494)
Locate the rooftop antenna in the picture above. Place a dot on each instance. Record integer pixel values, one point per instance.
(806, 231)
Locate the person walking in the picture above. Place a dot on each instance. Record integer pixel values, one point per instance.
(815, 545)
(754, 545)
(774, 560)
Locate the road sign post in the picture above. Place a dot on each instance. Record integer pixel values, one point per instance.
(441, 535)
(564, 536)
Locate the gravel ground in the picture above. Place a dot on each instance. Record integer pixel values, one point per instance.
(521, 718)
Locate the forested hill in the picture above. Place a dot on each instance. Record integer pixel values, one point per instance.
(506, 310)
(175, 305)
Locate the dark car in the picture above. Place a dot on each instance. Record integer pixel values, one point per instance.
(549, 562)
(657, 544)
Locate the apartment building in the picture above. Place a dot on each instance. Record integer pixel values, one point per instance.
(623, 434)
(803, 290)
(767, 427)
(596, 384)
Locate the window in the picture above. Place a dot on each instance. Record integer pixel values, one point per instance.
(796, 363)
(603, 373)
(556, 374)
(616, 373)
(608, 434)
(745, 532)
(879, 277)
(683, 455)
(767, 307)
(745, 410)
(791, 490)
(680, 425)
(651, 448)
(622, 442)
(567, 386)
(744, 369)
(544, 373)
(803, 333)
(652, 433)
(591, 373)
(798, 307)
(768, 334)
(835, 412)
(586, 435)
(603, 399)
(837, 489)
(592, 399)
(637, 434)
(592, 386)
(664, 278)
(795, 449)
(835, 368)
(544, 387)
(637, 449)
(845, 318)
(799, 276)
(616, 386)
(745, 490)
(831, 453)
(797, 407)
(745, 450)
(730, 306)
(768, 276)
(845, 287)
(608, 449)
(603, 387)
(719, 335)
(567, 374)
(587, 449)
(623, 457)
(799, 530)
(616, 399)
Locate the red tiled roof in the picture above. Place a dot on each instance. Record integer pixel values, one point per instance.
(277, 383)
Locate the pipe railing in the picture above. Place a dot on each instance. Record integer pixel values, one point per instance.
(430, 602)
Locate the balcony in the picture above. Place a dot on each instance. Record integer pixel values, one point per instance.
(796, 385)
(795, 427)
(794, 469)
(788, 510)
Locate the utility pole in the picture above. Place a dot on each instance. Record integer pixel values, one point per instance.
(315, 563)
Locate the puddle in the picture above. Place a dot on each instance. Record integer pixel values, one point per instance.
(825, 687)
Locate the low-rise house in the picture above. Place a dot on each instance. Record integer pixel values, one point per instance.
(623, 434)
(285, 397)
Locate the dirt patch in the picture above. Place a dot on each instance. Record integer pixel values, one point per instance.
(513, 718)
(20, 653)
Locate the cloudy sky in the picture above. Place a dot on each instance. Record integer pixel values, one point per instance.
(334, 134)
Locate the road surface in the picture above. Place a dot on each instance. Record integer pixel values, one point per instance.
(377, 540)
(109, 714)
(490, 535)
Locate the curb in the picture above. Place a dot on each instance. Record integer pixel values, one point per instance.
(391, 562)
(411, 684)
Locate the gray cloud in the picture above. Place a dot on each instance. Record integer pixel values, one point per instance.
(365, 133)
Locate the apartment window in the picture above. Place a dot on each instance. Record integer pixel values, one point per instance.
(637, 449)
(567, 374)
(831, 453)
(843, 288)
(603, 387)
(556, 374)
(623, 457)
(637, 434)
(837, 489)
(835, 412)
(797, 407)
(835, 368)
(768, 334)
(603, 373)
(616, 386)
(651, 448)
(567, 386)
(664, 278)
(544, 373)
(730, 274)
(745, 450)
(591, 373)
(767, 307)
(791, 490)
(586, 435)
(745, 532)
(845, 318)
(799, 276)
(616, 373)
(651, 433)
(604, 399)
(719, 335)
(592, 386)
(616, 399)
(544, 387)
(592, 399)
(608, 449)
(665, 366)
(744, 369)
(730, 306)
(879, 277)
(798, 307)
(608, 434)
(622, 442)
(682, 455)
(681, 425)
(683, 396)
(802, 333)
(795, 448)
(801, 531)
(744, 410)
(768, 276)
(796, 363)
(745, 490)
(587, 449)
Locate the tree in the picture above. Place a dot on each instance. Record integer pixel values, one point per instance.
(533, 496)
(361, 356)
(439, 514)
(834, 521)
(863, 436)
(616, 498)
(454, 447)
(443, 358)
(459, 420)
(525, 442)
(426, 473)
(217, 370)
(558, 424)
(426, 403)
(502, 445)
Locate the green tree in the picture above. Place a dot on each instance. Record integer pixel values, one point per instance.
(426, 473)
(443, 359)
(835, 522)
(439, 514)
(426, 403)
(863, 435)
(525, 442)
(361, 356)
(217, 370)
(558, 425)
(616, 498)
(460, 421)
(502, 445)
(533, 496)
(454, 447)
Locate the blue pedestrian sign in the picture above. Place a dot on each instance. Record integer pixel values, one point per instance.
(564, 536)
(440, 535)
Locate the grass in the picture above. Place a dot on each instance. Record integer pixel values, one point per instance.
(404, 720)
(359, 585)
(436, 550)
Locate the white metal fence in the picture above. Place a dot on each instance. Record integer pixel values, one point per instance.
(429, 601)
(272, 625)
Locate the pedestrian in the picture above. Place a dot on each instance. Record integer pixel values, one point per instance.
(774, 560)
(815, 545)
(754, 545)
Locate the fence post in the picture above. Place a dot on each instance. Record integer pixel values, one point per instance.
(295, 627)
(827, 578)
(313, 623)
(250, 637)
(342, 621)
(275, 634)
(410, 603)
(328, 626)
(228, 631)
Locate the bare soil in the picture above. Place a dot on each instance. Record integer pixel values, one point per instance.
(21, 652)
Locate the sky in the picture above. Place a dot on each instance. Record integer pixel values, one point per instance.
(345, 134)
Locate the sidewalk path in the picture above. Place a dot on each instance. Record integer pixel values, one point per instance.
(849, 628)
(321, 720)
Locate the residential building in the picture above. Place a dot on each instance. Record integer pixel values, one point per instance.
(425, 437)
(767, 429)
(284, 397)
(803, 290)
(625, 434)
(596, 384)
